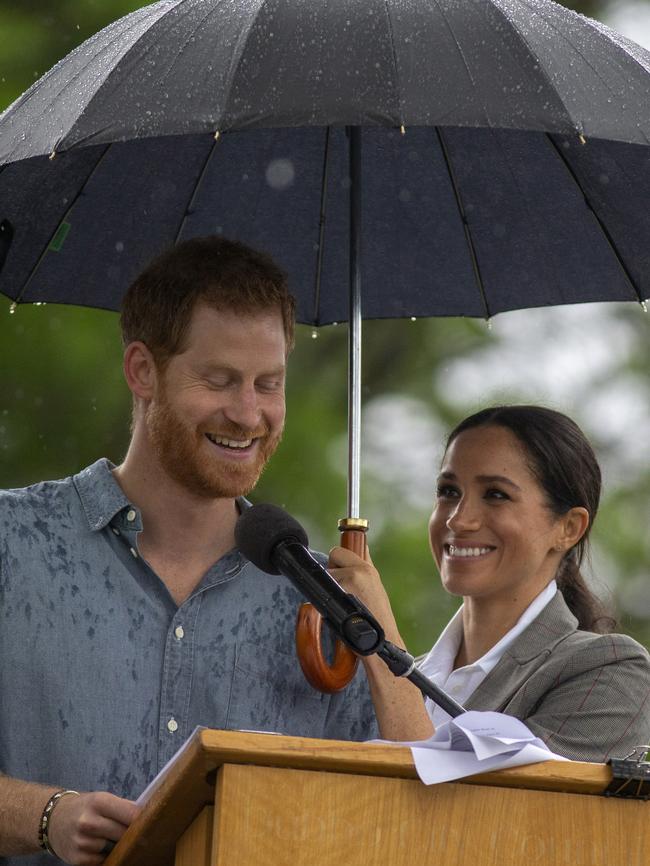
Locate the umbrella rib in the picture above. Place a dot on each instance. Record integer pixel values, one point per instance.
(237, 57)
(103, 51)
(187, 41)
(114, 26)
(537, 59)
(46, 247)
(88, 138)
(462, 55)
(595, 25)
(321, 226)
(464, 220)
(188, 208)
(601, 224)
(627, 45)
(394, 52)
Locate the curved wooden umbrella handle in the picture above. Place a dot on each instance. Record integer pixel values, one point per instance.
(319, 673)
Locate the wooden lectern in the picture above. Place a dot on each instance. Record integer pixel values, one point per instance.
(233, 798)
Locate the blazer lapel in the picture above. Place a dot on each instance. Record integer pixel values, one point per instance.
(525, 655)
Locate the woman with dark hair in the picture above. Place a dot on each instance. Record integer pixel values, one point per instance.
(517, 494)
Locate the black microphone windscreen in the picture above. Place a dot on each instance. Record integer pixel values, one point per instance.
(258, 530)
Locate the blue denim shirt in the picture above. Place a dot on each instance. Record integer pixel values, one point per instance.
(103, 676)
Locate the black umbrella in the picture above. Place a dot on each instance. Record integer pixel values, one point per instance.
(491, 199)
(465, 156)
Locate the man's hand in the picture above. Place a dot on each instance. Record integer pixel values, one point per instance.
(81, 827)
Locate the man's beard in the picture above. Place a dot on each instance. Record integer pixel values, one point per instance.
(181, 451)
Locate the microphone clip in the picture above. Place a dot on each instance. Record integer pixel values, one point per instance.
(349, 618)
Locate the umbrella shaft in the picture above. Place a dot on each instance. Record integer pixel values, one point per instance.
(354, 327)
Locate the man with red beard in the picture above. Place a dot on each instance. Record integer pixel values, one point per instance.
(131, 618)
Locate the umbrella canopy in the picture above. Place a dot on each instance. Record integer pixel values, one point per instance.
(504, 160)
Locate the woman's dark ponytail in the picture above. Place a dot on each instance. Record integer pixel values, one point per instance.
(588, 609)
(565, 465)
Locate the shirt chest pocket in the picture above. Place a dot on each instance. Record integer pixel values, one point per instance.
(270, 693)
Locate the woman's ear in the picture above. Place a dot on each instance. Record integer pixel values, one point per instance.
(140, 370)
(572, 526)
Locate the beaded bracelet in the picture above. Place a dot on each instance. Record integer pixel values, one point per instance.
(44, 824)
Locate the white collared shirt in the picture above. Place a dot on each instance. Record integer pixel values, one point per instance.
(438, 664)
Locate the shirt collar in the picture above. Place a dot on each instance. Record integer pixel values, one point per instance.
(537, 605)
(105, 502)
(440, 660)
(101, 496)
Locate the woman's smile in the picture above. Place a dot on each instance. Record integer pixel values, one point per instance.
(467, 552)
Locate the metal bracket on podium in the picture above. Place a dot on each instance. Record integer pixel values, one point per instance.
(630, 775)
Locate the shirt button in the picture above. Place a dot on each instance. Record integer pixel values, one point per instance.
(172, 726)
(179, 631)
(130, 515)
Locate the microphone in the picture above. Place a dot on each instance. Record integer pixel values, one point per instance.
(276, 543)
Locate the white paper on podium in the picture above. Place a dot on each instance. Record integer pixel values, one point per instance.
(476, 742)
(155, 782)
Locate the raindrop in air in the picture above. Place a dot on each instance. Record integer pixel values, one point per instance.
(280, 173)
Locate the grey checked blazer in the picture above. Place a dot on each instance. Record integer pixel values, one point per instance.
(586, 695)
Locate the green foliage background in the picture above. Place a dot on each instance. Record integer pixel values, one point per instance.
(63, 402)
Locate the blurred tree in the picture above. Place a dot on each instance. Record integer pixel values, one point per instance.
(63, 402)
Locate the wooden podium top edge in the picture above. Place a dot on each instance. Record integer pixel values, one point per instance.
(188, 782)
(379, 759)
